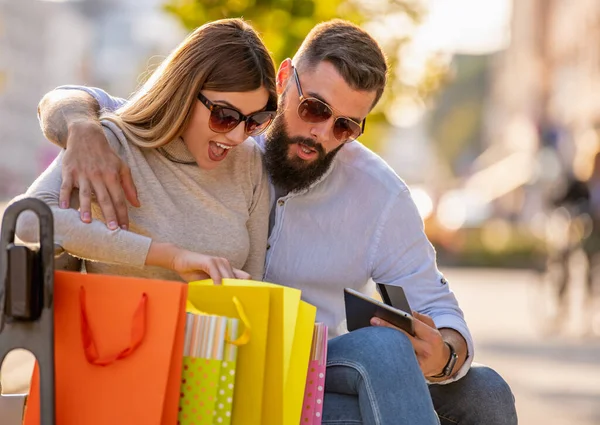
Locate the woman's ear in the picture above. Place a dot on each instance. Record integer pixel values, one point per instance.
(283, 75)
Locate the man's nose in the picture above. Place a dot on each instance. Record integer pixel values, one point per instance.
(322, 132)
(238, 134)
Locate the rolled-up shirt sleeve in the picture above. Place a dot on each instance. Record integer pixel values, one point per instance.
(105, 100)
(403, 256)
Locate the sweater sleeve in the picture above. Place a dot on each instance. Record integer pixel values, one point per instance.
(91, 241)
(258, 223)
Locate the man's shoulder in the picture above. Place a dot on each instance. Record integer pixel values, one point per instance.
(365, 168)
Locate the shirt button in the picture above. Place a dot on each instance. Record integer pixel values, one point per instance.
(280, 202)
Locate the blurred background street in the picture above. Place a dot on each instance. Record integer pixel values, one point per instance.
(492, 116)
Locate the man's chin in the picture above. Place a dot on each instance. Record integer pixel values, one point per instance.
(287, 169)
(298, 163)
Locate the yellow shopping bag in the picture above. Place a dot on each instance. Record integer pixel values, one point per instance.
(288, 343)
(295, 383)
(291, 322)
(251, 359)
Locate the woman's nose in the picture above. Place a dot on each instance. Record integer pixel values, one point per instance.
(238, 134)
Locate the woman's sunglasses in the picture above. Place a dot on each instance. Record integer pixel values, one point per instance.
(224, 119)
(314, 110)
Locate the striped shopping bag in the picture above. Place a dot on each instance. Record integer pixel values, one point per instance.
(208, 374)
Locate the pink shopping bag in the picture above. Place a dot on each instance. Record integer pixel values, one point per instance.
(312, 408)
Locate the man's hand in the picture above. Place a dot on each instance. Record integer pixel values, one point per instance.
(432, 353)
(92, 166)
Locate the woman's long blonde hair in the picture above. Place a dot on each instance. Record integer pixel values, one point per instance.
(225, 55)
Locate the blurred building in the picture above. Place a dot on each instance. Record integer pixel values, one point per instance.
(41, 44)
(131, 37)
(544, 110)
(44, 44)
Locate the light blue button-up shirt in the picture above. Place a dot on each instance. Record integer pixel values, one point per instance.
(357, 225)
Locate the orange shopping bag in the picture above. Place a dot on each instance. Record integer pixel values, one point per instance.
(118, 351)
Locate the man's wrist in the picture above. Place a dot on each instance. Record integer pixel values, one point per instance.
(459, 343)
(81, 124)
(452, 357)
(80, 128)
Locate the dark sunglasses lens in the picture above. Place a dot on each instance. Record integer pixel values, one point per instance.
(223, 120)
(257, 123)
(345, 130)
(313, 110)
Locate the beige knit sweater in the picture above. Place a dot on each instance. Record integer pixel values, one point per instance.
(222, 212)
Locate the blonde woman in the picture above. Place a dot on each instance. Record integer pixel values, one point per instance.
(203, 192)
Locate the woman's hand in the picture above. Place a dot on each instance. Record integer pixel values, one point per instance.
(192, 265)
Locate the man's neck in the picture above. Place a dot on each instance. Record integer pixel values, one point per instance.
(279, 192)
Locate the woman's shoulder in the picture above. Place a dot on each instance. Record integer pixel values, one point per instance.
(248, 154)
(247, 163)
(250, 147)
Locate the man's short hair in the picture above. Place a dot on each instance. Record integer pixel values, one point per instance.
(351, 50)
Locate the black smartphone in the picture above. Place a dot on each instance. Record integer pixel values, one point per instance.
(360, 309)
(394, 296)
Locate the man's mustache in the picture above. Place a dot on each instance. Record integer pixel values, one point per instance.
(308, 143)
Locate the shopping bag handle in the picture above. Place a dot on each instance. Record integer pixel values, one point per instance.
(138, 330)
(245, 336)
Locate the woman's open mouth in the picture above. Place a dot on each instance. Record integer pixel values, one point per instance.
(218, 151)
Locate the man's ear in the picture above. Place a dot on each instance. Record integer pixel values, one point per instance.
(283, 75)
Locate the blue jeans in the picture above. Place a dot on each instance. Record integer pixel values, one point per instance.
(368, 372)
(373, 378)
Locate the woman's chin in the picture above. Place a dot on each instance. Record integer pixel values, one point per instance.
(206, 163)
(208, 160)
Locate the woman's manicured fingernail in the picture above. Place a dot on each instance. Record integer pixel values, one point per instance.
(86, 216)
(112, 225)
(63, 204)
(124, 226)
(375, 322)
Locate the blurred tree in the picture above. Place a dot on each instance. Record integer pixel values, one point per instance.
(283, 24)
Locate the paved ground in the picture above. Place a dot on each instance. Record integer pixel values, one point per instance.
(556, 380)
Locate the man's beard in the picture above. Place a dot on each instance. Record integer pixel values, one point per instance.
(295, 174)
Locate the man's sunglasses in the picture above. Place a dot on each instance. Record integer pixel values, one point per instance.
(314, 110)
(223, 119)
